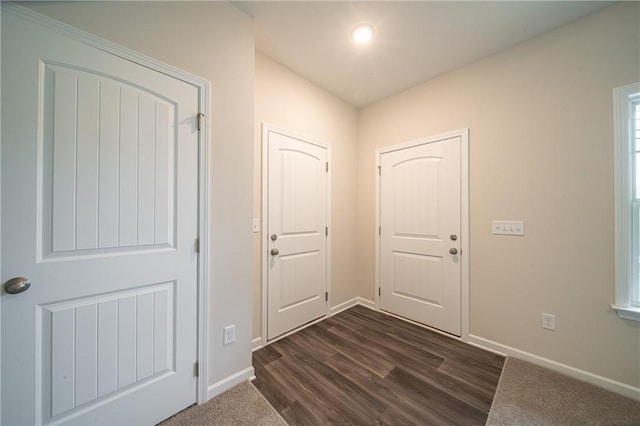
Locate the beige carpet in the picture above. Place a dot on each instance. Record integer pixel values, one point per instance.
(240, 405)
(531, 395)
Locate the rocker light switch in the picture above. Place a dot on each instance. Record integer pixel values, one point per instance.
(508, 227)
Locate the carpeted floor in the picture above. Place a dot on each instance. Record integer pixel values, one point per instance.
(531, 395)
(240, 405)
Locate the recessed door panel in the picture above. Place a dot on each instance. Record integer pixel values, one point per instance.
(416, 197)
(107, 168)
(299, 268)
(418, 277)
(93, 348)
(300, 184)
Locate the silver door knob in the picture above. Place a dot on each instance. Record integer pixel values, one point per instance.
(275, 252)
(453, 237)
(453, 251)
(17, 285)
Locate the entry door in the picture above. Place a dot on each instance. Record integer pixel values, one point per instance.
(297, 232)
(99, 211)
(420, 269)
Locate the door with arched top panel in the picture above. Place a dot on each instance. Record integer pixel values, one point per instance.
(100, 212)
(297, 231)
(420, 233)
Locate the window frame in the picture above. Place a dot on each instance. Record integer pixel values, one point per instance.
(626, 249)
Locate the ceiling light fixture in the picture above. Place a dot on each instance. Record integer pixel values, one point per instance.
(362, 33)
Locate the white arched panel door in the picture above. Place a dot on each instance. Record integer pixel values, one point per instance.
(420, 233)
(100, 212)
(296, 257)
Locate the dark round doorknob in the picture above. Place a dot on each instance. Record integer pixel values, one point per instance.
(17, 285)
(275, 252)
(453, 251)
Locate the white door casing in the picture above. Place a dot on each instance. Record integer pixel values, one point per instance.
(100, 174)
(421, 217)
(296, 212)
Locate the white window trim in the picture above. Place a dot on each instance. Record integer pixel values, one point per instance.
(623, 225)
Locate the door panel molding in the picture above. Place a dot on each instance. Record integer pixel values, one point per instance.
(463, 134)
(203, 88)
(265, 237)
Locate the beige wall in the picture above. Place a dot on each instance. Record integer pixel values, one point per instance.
(541, 150)
(215, 41)
(286, 100)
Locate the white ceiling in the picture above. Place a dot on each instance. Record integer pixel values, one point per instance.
(414, 41)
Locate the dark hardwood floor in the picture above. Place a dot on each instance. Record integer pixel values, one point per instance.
(364, 367)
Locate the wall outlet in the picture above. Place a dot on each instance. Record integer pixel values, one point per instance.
(549, 322)
(229, 334)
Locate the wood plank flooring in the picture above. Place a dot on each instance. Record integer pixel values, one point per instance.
(364, 367)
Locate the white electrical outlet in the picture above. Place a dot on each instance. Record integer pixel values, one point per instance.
(508, 227)
(229, 334)
(549, 321)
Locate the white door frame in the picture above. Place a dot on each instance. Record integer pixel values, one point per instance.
(203, 162)
(464, 218)
(266, 128)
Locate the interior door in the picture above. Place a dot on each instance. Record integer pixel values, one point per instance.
(297, 232)
(420, 270)
(99, 211)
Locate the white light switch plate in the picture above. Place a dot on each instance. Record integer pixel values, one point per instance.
(508, 227)
(256, 225)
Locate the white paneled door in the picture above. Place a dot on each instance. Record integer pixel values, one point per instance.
(100, 212)
(420, 234)
(297, 231)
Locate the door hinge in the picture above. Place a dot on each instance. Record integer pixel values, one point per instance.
(379, 231)
(196, 245)
(196, 369)
(327, 164)
(326, 231)
(200, 117)
(379, 291)
(326, 296)
(379, 170)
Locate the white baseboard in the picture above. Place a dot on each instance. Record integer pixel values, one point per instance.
(351, 303)
(222, 385)
(367, 303)
(256, 344)
(342, 306)
(603, 382)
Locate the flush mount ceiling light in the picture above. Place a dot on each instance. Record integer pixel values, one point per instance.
(362, 33)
